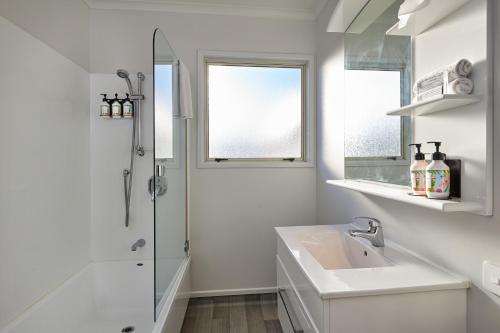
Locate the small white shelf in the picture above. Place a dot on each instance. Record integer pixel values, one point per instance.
(425, 18)
(435, 104)
(400, 193)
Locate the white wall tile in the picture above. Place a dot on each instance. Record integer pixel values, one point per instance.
(44, 191)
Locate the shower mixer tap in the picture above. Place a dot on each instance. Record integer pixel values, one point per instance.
(158, 184)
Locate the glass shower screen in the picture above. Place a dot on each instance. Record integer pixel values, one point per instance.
(168, 187)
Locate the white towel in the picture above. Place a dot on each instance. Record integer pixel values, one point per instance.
(437, 91)
(186, 100)
(461, 86)
(462, 68)
(428, 83)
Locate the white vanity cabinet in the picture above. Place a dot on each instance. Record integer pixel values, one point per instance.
(294, 315)
(405, 295)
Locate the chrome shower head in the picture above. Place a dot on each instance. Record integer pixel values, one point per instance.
(124, 75)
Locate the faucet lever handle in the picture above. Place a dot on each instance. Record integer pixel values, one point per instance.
(373, 223)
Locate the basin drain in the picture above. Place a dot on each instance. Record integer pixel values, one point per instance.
(128, 329)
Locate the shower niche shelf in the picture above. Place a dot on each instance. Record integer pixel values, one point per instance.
(400, 193)
(436, 104)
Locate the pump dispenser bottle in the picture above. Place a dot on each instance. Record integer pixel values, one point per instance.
(105, 108)
(116, 108)
(128, 108)
(417, 171)
(437, 175)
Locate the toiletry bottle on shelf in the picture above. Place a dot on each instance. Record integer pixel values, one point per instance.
(417, 170)
(116, 108)
(128, 108)
(437, 175)
(105, 108)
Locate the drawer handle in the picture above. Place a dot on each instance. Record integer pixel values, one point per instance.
(291, 315)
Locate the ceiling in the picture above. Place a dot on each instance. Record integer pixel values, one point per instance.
(295, 9)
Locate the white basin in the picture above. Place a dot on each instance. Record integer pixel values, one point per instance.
(339, 265)
(339, 250)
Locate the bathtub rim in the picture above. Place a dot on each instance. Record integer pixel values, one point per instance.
(161, 320)
(46, 298)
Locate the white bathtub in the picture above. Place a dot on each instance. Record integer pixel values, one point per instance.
(106, 297)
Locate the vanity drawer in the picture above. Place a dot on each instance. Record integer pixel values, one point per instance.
(292, 315)
(283, 316)
(314, 305)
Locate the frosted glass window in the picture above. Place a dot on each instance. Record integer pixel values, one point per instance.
(369, 132)
(163, 112)
(254, 112)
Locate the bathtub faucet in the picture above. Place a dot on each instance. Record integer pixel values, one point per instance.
(140, 243)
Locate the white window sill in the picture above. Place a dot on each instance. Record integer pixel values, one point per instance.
(375, 163)
(256, 164)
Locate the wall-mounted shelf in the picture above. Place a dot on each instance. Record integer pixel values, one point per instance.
(400, 193)
(121, 118)
(421, 20)
(436, 104)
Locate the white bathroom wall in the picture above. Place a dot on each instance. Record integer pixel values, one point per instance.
(457, 241)
(110, 142)
(44, 191)
(61, 24)
(233, 210)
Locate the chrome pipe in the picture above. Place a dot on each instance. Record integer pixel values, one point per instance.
(139, 147)
(136, 137)
(126, 180)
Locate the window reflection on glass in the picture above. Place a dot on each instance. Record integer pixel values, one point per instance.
(163, 112)
(254, 112)
(369, 132)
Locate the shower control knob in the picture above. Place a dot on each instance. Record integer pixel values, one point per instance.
(157, 186)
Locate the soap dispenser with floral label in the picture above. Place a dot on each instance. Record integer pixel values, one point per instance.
(437, 175)
(417, 170)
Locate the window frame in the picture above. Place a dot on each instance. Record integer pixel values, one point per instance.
(406, 125)
(303, 61)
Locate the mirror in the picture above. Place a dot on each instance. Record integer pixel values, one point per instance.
(377, 74)
(168, 185)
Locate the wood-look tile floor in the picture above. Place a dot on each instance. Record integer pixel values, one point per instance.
(232, 314)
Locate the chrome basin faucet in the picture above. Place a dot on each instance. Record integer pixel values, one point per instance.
(375, 234)
(139, 243)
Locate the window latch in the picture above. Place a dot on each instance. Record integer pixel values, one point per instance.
(291, 159)
(218, 160)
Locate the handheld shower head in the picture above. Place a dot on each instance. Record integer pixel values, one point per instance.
(124, 75)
